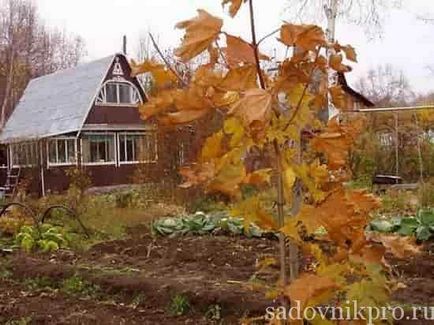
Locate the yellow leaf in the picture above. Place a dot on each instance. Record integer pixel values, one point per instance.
(233, 127)
(291, 229)
(212, 147)
(251, 210)
(235, 6)
(200, 32)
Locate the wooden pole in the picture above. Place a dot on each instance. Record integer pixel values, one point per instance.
(396, 144)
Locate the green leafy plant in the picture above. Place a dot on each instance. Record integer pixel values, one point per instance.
(421, 225)
(39, 283)
(77, 286)
(179, 305)
(201, 224)
(47, 239)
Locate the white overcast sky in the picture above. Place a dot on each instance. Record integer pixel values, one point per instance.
(407, 43)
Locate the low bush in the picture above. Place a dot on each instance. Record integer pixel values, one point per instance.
(421, 225)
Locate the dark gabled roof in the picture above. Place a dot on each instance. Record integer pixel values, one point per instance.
(343, 82)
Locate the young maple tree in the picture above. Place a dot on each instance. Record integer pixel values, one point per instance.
(273, 114)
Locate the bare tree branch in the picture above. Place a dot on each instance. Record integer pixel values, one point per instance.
(255, 45)
(168, 65)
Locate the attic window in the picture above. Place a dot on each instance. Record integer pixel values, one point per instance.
(118, 93)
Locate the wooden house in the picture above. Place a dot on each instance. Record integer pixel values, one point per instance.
(85, 116)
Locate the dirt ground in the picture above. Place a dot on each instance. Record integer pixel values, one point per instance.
(139, 277)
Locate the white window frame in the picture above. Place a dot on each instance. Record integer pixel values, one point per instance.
(120, 134)
(385, 139)
(51, 164)
(106, 163)
(101, 99)
(11, 154)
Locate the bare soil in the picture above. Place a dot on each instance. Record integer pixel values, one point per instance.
(208, 271)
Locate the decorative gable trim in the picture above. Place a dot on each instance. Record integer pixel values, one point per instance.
(95, 96)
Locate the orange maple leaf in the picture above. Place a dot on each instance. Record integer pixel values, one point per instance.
(201, 31)
(336, 63)
(308, 37)
(308, 287)
(239, 51)
(156, 105)
(336, 141)
(400, 246)
(182, 117)
(162, 76)
(240, 78)
(254, 109)
(339, 97)
(234, 7)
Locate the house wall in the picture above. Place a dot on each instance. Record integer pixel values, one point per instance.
(109, 114)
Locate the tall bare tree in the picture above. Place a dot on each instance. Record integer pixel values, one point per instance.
(386, 86)
(29, 49)
(367, 13)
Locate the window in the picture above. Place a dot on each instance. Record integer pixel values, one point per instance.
(98, 149)
(386, 139)
(62, 151)
(118, 93)
(24, 154)
(137, 147)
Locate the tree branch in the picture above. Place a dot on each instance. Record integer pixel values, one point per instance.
(221, 54)
(268, 35)
(303, 94)
(182, 81)
(255, 45)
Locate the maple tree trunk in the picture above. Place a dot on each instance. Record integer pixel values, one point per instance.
(280, 189)
(281, 215)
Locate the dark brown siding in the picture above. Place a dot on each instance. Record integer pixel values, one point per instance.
(56, 179)
(114, 115)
